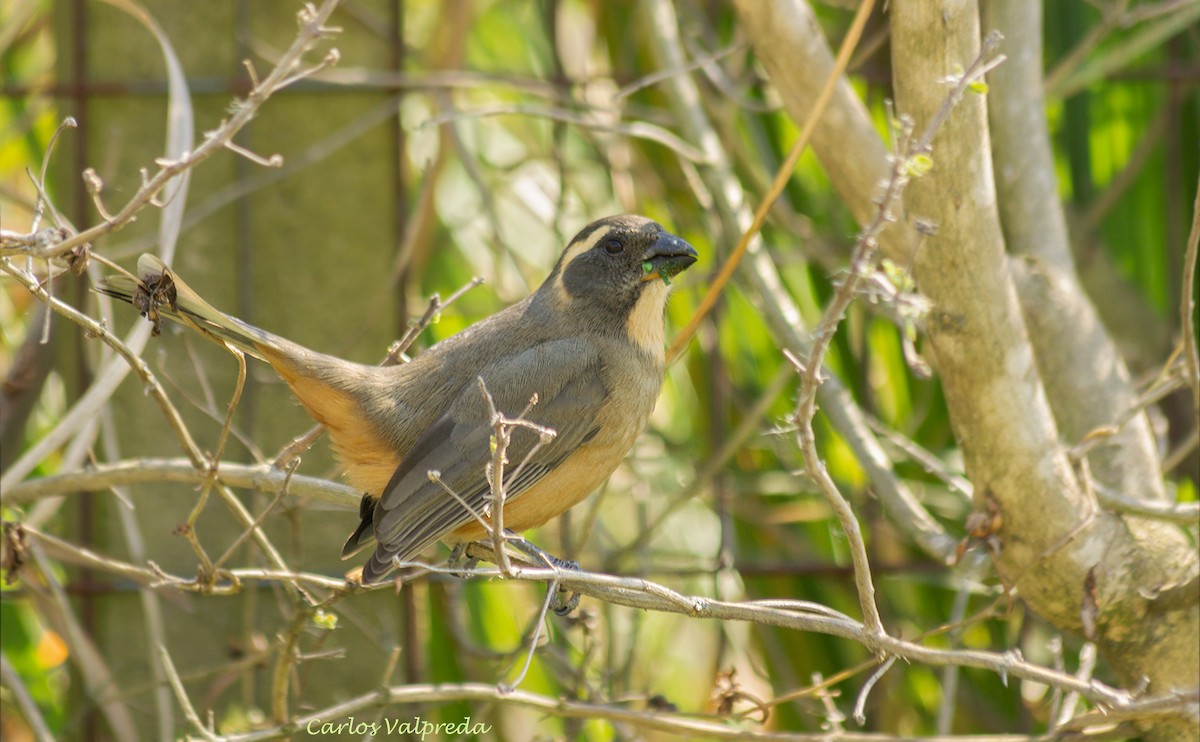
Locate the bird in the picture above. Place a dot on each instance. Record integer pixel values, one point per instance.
(582, 356)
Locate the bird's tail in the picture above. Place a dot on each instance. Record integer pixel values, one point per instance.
(158, 292)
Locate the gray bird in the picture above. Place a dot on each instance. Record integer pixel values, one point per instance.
(588, 343)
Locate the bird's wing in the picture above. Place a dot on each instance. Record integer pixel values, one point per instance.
(414, 511)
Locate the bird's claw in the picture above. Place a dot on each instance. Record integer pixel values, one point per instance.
(561, 605)
(460, 564)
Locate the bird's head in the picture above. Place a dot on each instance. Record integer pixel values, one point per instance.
(620, 269)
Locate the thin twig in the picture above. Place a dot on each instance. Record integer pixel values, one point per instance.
(30, 712)
(238, 387)
(1166, 18)
(551, 591)
(950, 675)
(42, 203)
(197, 457)
(98, 682)
(647, 595)
(1087, 664)
(181, 695)
(660, 75)
(833, 716)
(495, 473)
(502, 430)
(860, 703)
(635, 129)
(1187, 307)
(285, 661)
(861, 262)
(96, 329)
(1181, 452)
(929, 462)
(713, 466)
(1183, 513)
(1173, 376)
(151, 603)
(435, 476)
(246, 532)
(255, 477)
(312, 30)
(782, 178)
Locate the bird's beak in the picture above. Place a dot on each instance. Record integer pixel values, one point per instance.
(666, 258)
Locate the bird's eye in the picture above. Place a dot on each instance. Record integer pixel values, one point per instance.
(614, 246)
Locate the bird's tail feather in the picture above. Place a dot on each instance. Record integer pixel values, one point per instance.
(158, 292)
(364, 535)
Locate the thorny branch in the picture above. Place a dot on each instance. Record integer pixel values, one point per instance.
(694, 727)
(64, 242)
(502, 430)
(287, 71)
(782, 177)
(199, 460)
(1187, 307)
(103, 476)
(906, 163)
(624, 591)
(636, 129)
(645, 594)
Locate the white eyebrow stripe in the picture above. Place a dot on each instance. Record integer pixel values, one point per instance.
(574, 251)
(586, 244)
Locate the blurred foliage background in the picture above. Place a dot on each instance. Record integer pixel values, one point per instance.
(473, 138)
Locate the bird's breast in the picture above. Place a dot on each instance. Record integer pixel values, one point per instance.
(618, 423)
(576, 477)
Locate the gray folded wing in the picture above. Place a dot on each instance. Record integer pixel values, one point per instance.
(414, 511)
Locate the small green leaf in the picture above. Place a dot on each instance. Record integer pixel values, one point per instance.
(918, 165)
(325, 619)
(979, 87)
(647, 267)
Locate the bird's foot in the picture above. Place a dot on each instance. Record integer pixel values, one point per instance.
(461, 564)
(564, 602)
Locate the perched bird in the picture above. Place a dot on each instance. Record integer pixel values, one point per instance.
(588, 343)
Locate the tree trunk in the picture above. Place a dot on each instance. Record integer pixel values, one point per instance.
(1059, 549)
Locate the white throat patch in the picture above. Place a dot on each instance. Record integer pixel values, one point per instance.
(645, 323)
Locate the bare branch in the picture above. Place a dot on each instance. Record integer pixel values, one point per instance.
(905, 165)
(635, 129)
(1187, 307)
(30, 712)
(257, 477)
(647, 595)
(181, 695)
(312, 31)
(782, 177)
